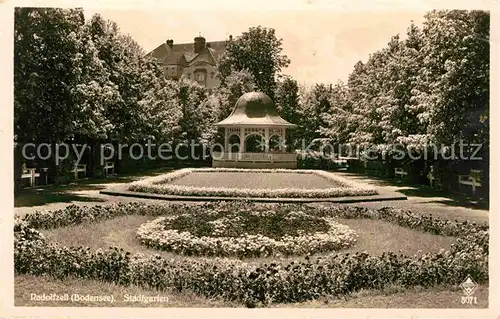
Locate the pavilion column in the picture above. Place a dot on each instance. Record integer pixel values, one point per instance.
(282, 139)
(226, 141)
(266, 139)
(242, 140)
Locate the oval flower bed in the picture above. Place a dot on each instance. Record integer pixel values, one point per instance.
(283, 281)
(246, 233)
(160, 185)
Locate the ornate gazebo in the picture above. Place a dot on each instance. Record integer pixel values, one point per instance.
(254, 136)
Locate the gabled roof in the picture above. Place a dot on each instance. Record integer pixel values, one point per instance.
(174, 55)
(215, 54)
(189, 57)
(160, 53)
(207, 55)
(173, 58)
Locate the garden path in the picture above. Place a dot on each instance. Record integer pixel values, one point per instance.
(425, 199)
(420, 198)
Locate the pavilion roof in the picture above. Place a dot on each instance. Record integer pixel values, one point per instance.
(255, 109)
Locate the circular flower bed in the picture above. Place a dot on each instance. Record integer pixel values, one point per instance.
(246, 233)
(282, 281)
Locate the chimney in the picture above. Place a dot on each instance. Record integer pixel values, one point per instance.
(170, 43)
(199, 44)
(230, 37)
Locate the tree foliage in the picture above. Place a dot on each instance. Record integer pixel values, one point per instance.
(258, 51)
(47, 66)
(84, 82)
(287, 103)
(432, 87)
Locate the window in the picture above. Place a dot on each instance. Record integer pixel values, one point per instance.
(200, 76)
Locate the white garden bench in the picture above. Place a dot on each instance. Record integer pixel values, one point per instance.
(473, 179)
(109, 166)
(29, 173)
(340, 163)
(398, 171)
(431, 177)
(81, 168)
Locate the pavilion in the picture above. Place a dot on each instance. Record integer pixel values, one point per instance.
(254, 136)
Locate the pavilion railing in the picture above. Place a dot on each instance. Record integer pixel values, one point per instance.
(254, 157)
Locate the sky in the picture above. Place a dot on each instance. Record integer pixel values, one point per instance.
(323, 45)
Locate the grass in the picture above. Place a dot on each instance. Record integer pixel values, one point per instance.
(391, 297)
(118, 231)
(398, 297)
(375, 237)
(243, 183)
(25, 285)
(254, 180)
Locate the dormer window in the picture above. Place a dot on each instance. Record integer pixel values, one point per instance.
(200, 76)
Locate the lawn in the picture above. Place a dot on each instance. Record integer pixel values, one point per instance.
(397, 297)
(254, 180)
(391, 297)
(25, 285)
(263, 183)
(375, 237)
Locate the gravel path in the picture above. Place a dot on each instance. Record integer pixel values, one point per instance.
(418, 199)
(423, 199)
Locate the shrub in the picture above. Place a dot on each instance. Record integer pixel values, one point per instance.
(283, 281)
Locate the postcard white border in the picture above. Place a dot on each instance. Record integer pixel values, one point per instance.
(6, 168)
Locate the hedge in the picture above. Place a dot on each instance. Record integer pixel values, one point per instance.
(232, 279)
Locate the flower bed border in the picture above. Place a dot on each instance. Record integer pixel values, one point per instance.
(283, 281)
(154, 235)
(158, 185)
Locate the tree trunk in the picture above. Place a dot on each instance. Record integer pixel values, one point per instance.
(486, 175)
(95, 165)
(17, 169)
